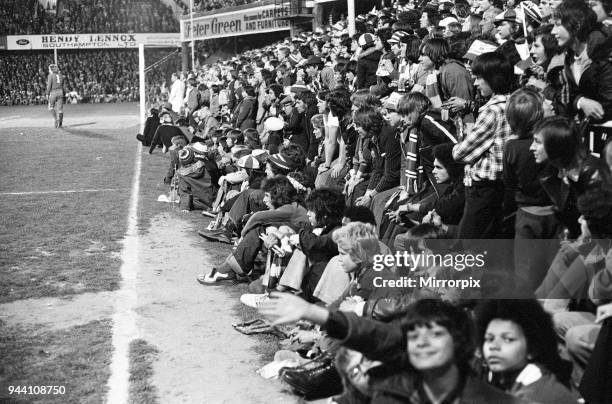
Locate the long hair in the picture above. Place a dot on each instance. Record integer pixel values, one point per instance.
(577, 18)
(413, 106)
(370, 120)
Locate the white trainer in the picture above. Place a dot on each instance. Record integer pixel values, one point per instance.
(254, 299)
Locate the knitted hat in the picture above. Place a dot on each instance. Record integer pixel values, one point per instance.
(397, 36)
(280, 161)
(199, 147)
(392, 101)
(366, 39)
(186, 156)
(249, 162)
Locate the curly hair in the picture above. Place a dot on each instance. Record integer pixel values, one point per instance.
(328, 206)
(339, 102)
(281, 191)
(426, 312)
(596, 207)
(295, 154)
(536, 324)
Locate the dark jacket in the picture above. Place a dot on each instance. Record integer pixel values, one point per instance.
(366, 70)
(386, 160)
(387, 342)
(163, 136)
(449, 204)
(151, 125)
(432, 132)
(596, 81)
(521, 177)
(245, 115)
(592, 173)
(319, 250)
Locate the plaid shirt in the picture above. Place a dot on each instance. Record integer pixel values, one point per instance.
(483, 147)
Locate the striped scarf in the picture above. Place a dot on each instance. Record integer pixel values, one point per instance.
(432, 89)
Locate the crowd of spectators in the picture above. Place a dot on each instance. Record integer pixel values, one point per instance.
(20, 17)
(209, 5)
(91, 76)
(346, 171)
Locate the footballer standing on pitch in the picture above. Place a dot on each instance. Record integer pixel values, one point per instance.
(55, 92)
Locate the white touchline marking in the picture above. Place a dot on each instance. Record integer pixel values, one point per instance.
(70, 191)
(124, 319)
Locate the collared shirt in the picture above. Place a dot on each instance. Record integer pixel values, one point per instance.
(483, 147)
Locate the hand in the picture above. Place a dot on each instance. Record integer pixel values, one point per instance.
(304, 337)
(455, 103)
(433, 218)
(352, 184)
(323, 168)
(364, 200)
(336, 169)
(603, 312)
(348, 305)
(284, 308)
(270, 240)
(184, 211)
(591, 108)
(569, 251)
(396, 215)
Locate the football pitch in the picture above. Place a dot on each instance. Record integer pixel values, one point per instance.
(98, 297)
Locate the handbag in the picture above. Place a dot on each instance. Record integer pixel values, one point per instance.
(315, 379)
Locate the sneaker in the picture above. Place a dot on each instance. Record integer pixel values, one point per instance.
(253, 299)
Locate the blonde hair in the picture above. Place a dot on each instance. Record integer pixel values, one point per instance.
(359, 240)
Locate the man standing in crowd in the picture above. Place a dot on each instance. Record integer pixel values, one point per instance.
(176, 93)
(55, 92)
